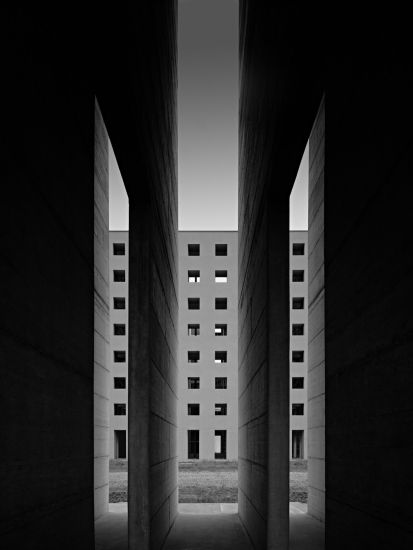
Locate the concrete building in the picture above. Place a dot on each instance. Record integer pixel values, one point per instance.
(298, 343)
(353, 84)
(207, 345)
(118, 342)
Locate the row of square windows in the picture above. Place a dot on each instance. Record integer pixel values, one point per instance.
(119, 356)
(195, 303)
(221, 409)
(221, 276)
(221, 382)
(297, 356)
(298, 249)
(194, 329)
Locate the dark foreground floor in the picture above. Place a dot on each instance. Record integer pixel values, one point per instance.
(208, 527)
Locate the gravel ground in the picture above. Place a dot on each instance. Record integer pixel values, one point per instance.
(207, 481)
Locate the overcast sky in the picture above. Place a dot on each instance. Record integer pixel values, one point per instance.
(207, 125)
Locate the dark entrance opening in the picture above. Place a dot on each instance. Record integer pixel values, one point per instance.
(120, 443)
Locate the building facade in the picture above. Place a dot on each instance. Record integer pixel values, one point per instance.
(208, 345)
(118, 343)
(298, 343)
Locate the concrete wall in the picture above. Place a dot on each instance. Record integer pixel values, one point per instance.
(150, 179)
(47, 281)
(206, 342)
(101, 378)
(118, 342)
(368, 302)
(316, 321)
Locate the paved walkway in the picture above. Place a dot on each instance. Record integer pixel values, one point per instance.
(208, 527)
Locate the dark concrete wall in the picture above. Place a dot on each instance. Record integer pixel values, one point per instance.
(316, 320)
(47, 281)
(138, 106)
(368, 273)
(276, 115)
(101, 378)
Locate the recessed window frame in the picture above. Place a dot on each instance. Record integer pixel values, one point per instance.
(297, 409)
(298, 302)
(119, 249)
(119, 382)
(194, 249)
(221, 383)
(194, 329)
(297, 329)
(119, 409)
(221, 409)
(221, 249)
(194, 303)
(119, 302)
(194, 356)
(297, 276)
(119, 329)
(298, 249)
(194, 383)
(194, 276)
(221, 276)
(193, 409)
(220, 357)
(223, 327)
(221, 304)
(297, 382)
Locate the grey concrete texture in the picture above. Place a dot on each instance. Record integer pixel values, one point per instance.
(316, 320)
(47, 273)
(101, 375)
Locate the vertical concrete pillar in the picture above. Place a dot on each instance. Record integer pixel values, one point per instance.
(278, 375)
(316, 323)
(101, 317)
(139, 377)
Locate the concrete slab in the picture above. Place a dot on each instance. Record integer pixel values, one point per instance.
(216, 531)
(208, 526)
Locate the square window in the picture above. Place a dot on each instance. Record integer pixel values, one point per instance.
(298, 303)
(118, 249)
(221, 276)
(221, 303)
(193, 409)
(119, 409)
(193, 444)
(194, 276)
(193, 303)
(119, 329)
(298, 276)
(119, 356)
(298, 249)
(297, 356)
(220, 357)
(297, 329)
(193, 356)
(193, 383)
(119, 275)
(221, 383)
(194, 330)
(297, 409)
(220, 409)
(297, 382)
(221, 249)
(119, 382)
(193, 249)
(119, 303)
(221, 330)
